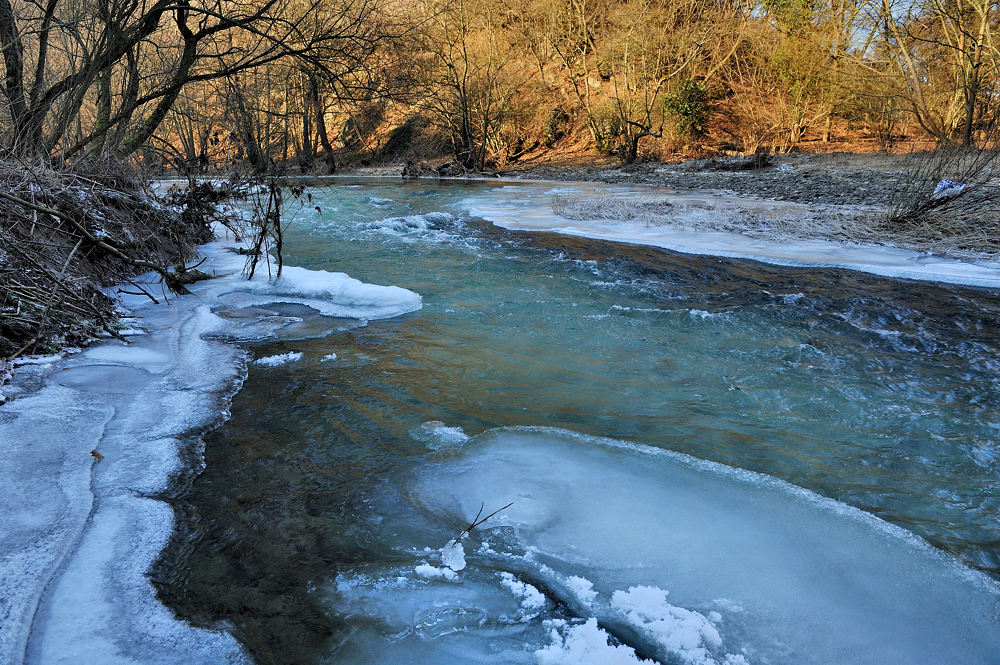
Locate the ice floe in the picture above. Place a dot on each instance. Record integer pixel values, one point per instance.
(616, 553)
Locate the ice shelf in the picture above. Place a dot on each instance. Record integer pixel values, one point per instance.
(78, 536)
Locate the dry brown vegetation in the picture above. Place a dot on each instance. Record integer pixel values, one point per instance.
(270, 84)
(65, 235)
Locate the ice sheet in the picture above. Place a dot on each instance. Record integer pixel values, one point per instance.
(77, 537)
(755, 568)
(332, 293)
(528, 207)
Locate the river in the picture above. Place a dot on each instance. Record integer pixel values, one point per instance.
(319, 528)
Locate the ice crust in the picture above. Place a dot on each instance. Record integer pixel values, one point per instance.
(438, 436)
(77, 537)
(527, 206)
(331, 293)
(758, 571)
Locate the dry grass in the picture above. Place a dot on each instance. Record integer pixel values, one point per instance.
(967, 222)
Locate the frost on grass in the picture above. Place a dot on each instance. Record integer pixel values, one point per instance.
(773, 225)
(584, 644)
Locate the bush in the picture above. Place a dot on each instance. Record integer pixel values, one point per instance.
(688, 102)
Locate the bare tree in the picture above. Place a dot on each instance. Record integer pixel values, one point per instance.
(129, 60)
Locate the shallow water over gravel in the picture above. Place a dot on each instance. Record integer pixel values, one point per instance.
(881, 394)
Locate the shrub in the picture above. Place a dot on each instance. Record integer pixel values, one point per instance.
(689, 103)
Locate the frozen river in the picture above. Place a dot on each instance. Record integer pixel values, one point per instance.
(323, 491)
(710, 460)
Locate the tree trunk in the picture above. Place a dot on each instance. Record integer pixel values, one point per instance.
(13, 52)
(324, 138)
(970, 113)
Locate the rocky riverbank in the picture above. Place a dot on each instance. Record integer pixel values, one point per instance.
(832, 179)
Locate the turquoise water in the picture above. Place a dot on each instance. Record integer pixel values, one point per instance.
(882, 394)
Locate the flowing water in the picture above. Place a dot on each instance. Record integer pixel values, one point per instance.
(320, 494)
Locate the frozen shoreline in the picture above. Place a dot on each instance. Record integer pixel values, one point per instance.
(531, 210)
(78, 537)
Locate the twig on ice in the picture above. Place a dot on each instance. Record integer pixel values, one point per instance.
(476, 522)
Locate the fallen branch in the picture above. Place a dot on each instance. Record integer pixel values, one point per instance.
(476, 522)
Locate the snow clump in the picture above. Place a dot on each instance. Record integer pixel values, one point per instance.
(429, 572)
(531, 598)
(274, 361)
(453, 556)
(582, 588)
(584, 644)
(679, 631)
